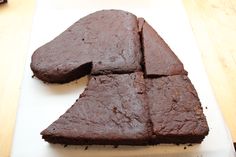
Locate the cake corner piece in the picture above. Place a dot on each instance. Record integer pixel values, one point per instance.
(175, 110)
(159, 59)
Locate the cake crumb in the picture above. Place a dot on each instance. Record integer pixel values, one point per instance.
(86, 148)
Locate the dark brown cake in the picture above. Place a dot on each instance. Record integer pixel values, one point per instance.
(111, 110)
(101, 43)
(159, 59)
(125, 109)
(120, 109)
(175, 110)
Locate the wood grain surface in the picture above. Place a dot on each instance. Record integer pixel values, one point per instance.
(15, 27)
(213, 23)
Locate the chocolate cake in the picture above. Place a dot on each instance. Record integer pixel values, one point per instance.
(103, 42)
(127, 109)
(175, 110)
(120, 106)
(159, 59)
(111, 110)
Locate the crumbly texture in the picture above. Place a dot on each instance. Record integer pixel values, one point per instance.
(103, 42)
(175, 110)
(159, 59)
(111, 110)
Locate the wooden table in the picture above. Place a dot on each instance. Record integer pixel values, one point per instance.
(213, 23)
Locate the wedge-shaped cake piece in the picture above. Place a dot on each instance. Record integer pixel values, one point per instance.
(103, 42)
(175, 110)
(111, 110)
(159, 59)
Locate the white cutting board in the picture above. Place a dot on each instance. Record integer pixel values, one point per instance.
(40, 104)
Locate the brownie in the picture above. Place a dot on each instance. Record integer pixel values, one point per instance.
(119, 106)
(159, 59)
(111, 110)
(103, 42)
(175, 110)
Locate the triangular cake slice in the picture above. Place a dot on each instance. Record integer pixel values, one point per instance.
(175, 110)
(111, 110)
(103, 42)
(159, 59)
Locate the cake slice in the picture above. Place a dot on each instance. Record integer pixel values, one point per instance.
(111, 110)
(103, 42)
(127, 109)
(159, 59)
(175, 110)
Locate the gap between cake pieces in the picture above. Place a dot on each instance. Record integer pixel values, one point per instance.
(138, 91)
